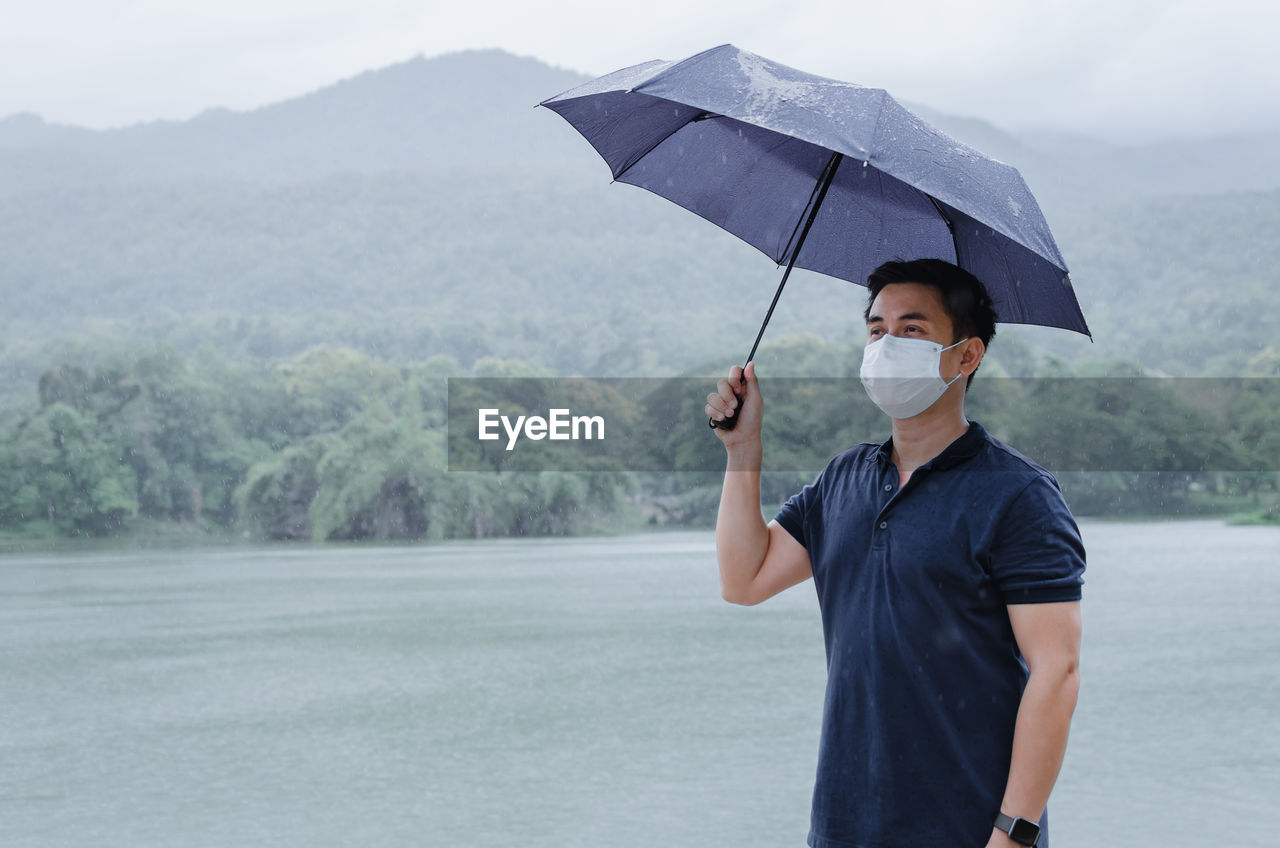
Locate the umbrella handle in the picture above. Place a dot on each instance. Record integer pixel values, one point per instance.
(730, 421)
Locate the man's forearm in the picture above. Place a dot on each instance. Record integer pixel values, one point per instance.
(1040, 739)
(742, 537)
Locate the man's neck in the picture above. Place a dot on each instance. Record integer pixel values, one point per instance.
(918, 440)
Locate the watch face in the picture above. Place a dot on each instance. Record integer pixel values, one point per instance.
(1024, 831)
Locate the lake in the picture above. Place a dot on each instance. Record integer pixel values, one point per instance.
(579, 692)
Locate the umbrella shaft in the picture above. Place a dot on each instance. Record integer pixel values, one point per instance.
(815, 201)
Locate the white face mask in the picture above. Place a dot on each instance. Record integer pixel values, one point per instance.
(903, 376)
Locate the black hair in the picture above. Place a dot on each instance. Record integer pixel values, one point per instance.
(964, 297)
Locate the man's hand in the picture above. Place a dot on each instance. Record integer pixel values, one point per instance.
(738, 396)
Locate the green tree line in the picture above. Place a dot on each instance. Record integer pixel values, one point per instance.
(334, 445)
(337, 445)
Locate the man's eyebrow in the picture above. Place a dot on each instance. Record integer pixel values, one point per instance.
(908, 316)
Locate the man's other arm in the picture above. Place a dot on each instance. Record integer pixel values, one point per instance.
(1048, 636)
(757, 561)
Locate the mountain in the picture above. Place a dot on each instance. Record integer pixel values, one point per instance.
(465, 110)
(474, 110)
(428, 207)
(1071, 169)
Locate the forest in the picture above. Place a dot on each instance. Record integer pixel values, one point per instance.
(336, 445)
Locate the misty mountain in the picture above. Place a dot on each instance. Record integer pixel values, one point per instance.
(475, 110)
(465, 110)
(428, 207)
(1066, 169)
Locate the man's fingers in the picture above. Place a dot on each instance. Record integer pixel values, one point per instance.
(734, 396)
(735, 379)
(728, 397)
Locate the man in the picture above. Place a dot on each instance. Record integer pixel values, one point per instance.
(948, 572)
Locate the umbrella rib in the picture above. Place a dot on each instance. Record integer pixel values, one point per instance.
(701, 116)
(951, 226)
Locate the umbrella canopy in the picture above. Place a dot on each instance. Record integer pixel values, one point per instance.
(824, 175)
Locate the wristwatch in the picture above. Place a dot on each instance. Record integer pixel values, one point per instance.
(1020, 830)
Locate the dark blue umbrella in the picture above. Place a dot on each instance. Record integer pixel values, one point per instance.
(824, 175)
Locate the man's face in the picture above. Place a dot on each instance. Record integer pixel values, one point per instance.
(910, 311)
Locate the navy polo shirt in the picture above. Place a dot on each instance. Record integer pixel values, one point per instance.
(924, 676)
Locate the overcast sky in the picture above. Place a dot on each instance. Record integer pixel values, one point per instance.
(1125, 70)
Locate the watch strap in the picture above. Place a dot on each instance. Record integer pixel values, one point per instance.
(1020, 830)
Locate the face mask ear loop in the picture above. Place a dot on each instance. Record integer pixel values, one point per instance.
(948, 347)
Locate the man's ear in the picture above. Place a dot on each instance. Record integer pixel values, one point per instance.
(972, 352)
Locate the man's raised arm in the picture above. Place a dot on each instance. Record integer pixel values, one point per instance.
(757, 560)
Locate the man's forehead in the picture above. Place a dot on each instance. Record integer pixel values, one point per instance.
(903, 300)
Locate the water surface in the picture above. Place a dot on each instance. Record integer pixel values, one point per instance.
(569, 693)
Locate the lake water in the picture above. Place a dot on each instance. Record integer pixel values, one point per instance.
(570, 693)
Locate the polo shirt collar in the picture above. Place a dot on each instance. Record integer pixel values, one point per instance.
(952, 455)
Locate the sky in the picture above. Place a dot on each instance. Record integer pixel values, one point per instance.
(1126, 71)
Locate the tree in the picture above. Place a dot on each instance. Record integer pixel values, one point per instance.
(56, 469)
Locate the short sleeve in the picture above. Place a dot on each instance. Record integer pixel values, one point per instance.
(1037, 555)
(793, 514)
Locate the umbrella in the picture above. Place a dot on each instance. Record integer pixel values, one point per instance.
(821, 174)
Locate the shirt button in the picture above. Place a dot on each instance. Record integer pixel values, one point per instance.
(888, 487)
(883, 524)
